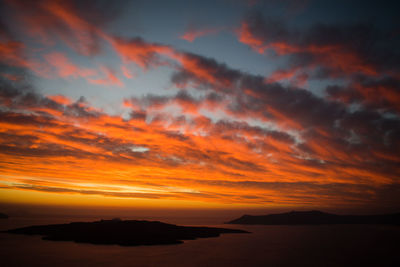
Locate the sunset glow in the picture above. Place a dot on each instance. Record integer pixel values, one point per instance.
(109, 106)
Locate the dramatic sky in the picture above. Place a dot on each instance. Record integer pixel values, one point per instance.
(223, 103)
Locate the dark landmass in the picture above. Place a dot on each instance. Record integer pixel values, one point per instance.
(316, 217)
(124, 233)
(3, 216)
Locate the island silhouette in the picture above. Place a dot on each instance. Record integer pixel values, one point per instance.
(3, 216)
(122, 232)
(315, 217)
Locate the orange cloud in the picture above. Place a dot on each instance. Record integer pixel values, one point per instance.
(51, 21)
(193, 34)
(12, 77)
(10, 53)
(60, 99)
(81, 30)
(110, 79)
(140, 52)
(246, 37)
(294, 75)
(65, 68)
(127, 72)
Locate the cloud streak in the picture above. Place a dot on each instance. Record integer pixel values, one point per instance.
(193, 33)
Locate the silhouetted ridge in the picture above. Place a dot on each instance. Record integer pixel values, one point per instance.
(124, 233)
(316, 217)
(3, 216)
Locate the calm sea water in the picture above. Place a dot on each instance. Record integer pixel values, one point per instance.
(333, 245)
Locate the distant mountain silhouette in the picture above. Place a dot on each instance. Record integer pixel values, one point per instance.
(316, 217)
(3, 216)
(124, 233)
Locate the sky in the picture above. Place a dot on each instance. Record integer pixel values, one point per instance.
(200, 104)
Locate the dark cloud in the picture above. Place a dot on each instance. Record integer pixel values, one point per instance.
(75, 23)
(381, 93)
(333, 49)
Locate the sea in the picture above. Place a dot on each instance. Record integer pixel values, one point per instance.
(321, 245)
